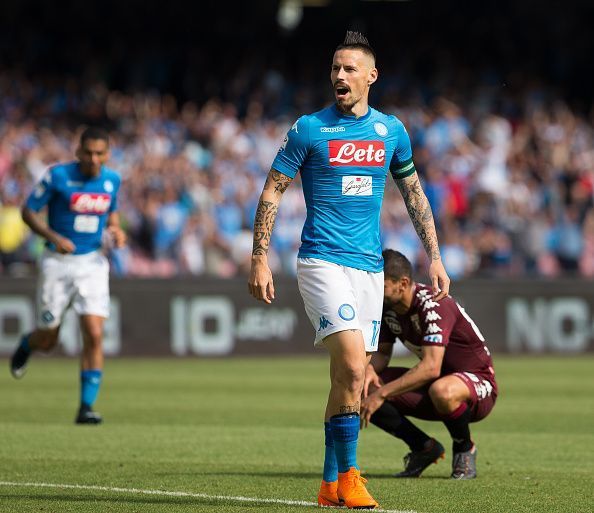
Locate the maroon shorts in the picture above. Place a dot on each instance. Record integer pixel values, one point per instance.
(417, 403)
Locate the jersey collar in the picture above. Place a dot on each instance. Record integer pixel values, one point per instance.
(339, 114)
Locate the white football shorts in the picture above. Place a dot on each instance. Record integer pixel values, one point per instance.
(80, 281)
(339, 298)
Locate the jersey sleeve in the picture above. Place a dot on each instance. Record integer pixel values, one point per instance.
(402, 164)
(114, 197)
(42, 193)
(294, 150)
(437, 320)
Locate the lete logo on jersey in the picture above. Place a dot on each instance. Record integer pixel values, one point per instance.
(90, 202)
(357, 153)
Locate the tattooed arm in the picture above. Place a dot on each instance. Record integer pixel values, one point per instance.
(260, 282)
(421, 216)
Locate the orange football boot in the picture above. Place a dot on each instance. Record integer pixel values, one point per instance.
(351, 489)
(328, 494)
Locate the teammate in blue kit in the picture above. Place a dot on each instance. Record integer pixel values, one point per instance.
(344, 153)
(81, 201)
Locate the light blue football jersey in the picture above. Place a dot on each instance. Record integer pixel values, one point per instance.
(77, 206)
(344, 162)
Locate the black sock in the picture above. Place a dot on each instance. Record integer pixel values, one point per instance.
(388, 418)
(459, 429)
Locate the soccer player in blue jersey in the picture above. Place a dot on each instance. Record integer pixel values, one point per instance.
(344, 153)
(81, 201)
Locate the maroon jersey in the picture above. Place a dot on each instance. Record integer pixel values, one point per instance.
(438, 323)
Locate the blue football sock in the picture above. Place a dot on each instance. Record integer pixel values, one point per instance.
(330, 466)
(90, 381)
(25, 343)
(345, 434)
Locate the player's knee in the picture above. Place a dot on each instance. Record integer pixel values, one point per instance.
(442, 393)
(350, 377)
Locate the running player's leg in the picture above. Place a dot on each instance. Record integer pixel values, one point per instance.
(54, 292)
(92, 304)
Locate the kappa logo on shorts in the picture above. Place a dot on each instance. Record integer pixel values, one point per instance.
(324, 323)
(47, 317)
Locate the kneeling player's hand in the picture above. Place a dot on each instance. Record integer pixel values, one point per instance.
(372, 381)
(369, 406)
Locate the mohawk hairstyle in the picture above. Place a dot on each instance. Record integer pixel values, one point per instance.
(357, 41)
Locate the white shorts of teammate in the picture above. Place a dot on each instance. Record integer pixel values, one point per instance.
(339, 298)
(80, 281)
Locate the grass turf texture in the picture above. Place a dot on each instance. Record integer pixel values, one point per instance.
(252, 427)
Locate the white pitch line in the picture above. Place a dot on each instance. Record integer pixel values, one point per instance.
(167, 493)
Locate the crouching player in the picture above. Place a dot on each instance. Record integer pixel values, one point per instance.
(81, 202)
(454, 381)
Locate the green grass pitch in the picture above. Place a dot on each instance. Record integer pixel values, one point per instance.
(221, 432)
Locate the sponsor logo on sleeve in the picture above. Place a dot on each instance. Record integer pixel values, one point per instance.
(357, 153)
(90, 202)
(433, 339)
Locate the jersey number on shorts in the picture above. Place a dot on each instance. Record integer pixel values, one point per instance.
(376, 330)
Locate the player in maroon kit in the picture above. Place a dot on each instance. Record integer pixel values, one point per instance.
(454, 381)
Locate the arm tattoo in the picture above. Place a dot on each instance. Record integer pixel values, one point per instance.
(420, 213)
(265, 217)
(277, 181)
(266, 212)
(350, 408)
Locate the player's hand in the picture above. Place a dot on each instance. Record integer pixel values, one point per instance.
(369, 406)
(63, 245)
(117, 235)
(440, 281)
(260, 282)
(371, 380)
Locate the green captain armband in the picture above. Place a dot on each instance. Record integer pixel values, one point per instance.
(406, 168)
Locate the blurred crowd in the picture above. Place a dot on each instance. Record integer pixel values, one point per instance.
(510, 175)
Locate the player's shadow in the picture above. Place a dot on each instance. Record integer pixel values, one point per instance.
(391, 477)
(287, 474)
(133, 501)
